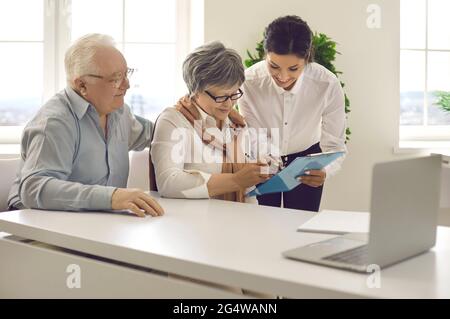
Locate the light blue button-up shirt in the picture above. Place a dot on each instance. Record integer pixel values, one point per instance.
(67, 163)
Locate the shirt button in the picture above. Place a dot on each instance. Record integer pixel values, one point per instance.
(285, 123)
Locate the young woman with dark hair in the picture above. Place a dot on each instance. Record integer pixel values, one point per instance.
(303, 100)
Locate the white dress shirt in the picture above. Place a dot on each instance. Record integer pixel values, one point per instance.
(312, 111)
(183, 162)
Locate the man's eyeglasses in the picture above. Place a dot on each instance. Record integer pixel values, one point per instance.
(224, 98)
(117, 79)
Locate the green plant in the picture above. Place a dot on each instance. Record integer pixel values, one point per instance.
(443, 100)
(324, 53)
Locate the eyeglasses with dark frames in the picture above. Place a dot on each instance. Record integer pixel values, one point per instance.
(224, 98)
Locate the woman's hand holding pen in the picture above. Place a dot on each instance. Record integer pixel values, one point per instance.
(251, 174)
(313, 178)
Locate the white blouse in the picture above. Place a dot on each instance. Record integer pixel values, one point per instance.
(183, 162)
(312, 111)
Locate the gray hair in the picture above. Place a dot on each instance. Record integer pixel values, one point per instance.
(79, 58)
(212, 65)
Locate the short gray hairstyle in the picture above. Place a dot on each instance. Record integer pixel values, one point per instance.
(79, 58)
(212, 65)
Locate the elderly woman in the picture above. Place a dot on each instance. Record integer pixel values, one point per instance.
(206, 158)
(75, 150)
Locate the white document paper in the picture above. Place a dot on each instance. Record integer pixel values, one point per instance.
(337, 222)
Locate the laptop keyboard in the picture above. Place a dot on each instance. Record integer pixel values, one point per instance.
(355, 256)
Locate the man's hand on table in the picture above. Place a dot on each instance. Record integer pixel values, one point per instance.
(136, 201)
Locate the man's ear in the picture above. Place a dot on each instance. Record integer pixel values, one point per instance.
(80, 86)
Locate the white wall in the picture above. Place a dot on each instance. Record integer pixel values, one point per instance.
(369, 60)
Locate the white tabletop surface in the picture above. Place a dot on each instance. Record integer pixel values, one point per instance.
(230, 243)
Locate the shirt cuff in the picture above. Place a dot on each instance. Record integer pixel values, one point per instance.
(200, 191)
(102, 197)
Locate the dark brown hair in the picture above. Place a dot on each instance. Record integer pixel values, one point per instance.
(289, 35)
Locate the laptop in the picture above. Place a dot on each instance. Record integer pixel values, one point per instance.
(403, 220)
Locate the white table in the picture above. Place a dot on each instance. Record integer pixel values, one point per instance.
(219, 242)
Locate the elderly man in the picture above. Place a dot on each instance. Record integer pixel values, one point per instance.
(75, 150)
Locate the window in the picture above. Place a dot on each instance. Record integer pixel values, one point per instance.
(424, 69)
(154, 36)
(21, 62)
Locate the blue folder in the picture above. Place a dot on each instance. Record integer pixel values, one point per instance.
(286, 180)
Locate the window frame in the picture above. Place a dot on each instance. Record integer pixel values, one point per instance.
(423, 136)
(56, 40)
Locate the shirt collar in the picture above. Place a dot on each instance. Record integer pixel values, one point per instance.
(79, 105)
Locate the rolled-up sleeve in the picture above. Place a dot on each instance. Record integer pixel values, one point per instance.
(168, 149)
(50, 145)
